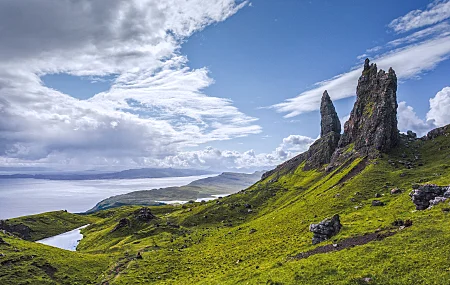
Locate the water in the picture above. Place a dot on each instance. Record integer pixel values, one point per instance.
(68, 240)
(20, 197)
(206, 199)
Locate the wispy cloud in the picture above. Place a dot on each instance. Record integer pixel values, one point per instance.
(409, 61)
(435, 12)
(155, 107)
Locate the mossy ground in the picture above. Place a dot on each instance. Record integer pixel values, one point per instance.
(228, 242)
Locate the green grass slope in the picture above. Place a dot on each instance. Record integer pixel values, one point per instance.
(251, 237)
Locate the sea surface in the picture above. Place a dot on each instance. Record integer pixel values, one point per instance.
(68, 240)
(20, 197)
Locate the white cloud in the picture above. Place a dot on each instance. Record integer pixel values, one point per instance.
(408, 120)
(155, 106)
(440, 107)
(228, 159)
(437, 116)
(435, 12)
(408, 62)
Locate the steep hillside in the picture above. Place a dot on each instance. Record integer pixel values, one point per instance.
(261, 235)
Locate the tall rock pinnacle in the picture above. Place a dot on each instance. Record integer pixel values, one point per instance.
(329, 118)
(372, 125)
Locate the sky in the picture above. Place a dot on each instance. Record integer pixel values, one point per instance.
(218, 84)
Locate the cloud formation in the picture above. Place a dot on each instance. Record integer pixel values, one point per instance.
(435, 12)
(437, 115)
(155, 106)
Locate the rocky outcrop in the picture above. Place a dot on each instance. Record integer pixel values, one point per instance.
(443, 131)
(19, 230)
(325, 229)
(329, 119)
(144, 214)
(372, 126)
(321, 151)
(424, 196)
(124, 222)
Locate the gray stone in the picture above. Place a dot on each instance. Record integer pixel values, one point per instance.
(325, 229)
(329, 118)
(377, 203)
(372, 126)
(144, 214)
(422, 195)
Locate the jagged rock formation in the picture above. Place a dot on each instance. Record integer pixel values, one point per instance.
(144, 214)
(424, 196)
(442, 131)
(371, 128)
(325, 229)
(321, 151)
(372, 125)
(329, 119)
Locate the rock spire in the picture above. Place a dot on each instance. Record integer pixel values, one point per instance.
(372, 126)
(329, 118)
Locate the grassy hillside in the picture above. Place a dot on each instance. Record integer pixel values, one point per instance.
(225, 183)
(254, 236)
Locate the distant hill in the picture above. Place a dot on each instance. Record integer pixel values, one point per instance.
(223, 184)
(125, 174)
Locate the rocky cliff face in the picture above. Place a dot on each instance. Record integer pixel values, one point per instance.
(372, 126)
(329, 118)
(321, 151)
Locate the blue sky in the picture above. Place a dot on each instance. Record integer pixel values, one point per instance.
(225, 85)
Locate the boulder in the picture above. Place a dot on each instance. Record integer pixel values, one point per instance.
(395, 191)
(325, 229)
(422, 195)
(377, 203)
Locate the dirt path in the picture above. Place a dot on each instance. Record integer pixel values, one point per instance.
(346, 243)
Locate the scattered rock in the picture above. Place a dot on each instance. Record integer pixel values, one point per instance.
(377, 195)
(247, 206)
(438, 132)
(422, 195)
(367, 279)
(377, 203)
(395, 191)
(325, 229)
(252, 231)
(411, 134)
(139, 256)
(144, 214)
(124, 222)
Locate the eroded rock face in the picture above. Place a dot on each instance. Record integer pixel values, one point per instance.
(20, 230)
(329, 119)
(424, 196)
(321, 151)
(372, 125)
(325, 229)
